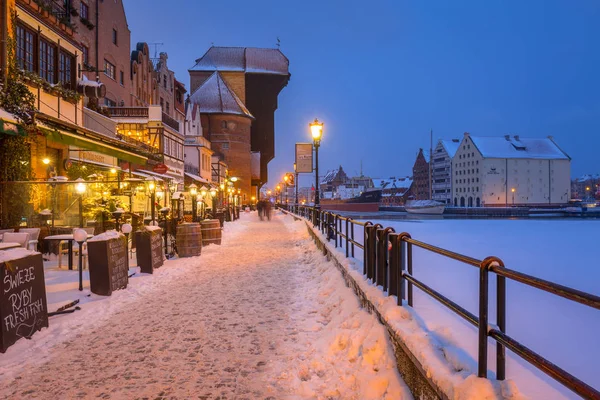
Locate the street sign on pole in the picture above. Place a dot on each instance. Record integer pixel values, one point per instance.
(304, 157)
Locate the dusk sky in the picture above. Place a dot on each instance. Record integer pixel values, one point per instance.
(381, 74)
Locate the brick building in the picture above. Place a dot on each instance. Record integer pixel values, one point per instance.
(143, 80)
(104, 36)
(226, 124)
(255, 76)
(420, 186)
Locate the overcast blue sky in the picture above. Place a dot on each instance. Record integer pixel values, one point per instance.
(380, 74)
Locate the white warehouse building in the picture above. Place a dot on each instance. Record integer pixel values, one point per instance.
(507, 171)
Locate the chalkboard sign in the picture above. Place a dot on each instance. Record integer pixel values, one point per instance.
(23, 307)
(108, 265)
(149, 250)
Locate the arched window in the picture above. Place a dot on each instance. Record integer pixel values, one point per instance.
(478, 202)
(455, 202)
(462, 201)
(224, 124)
(470, 202)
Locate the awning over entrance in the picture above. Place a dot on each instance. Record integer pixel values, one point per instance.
(162, 176)
(73, 139)
(196, 178)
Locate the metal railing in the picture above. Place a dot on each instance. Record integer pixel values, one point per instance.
(388, 262)
(140, 112)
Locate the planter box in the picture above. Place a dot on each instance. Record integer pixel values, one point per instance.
(149, 250)
(108, 265)
(23, 307)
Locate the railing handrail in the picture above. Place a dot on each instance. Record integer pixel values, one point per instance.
(391, 269)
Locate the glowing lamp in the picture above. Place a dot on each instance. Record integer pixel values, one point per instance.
(80, 235)
(126, 228)
(316, 129)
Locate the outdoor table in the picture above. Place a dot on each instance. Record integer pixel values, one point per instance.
(9, 245)
(70, 239)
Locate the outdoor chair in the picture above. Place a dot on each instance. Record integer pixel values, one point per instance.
(3, 231)
(12, 237)
(33, 239)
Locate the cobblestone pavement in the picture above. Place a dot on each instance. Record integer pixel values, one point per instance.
(223, 330)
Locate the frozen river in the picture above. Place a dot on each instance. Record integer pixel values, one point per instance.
(562, 251)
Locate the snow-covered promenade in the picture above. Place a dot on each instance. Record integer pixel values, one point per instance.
(263, 316)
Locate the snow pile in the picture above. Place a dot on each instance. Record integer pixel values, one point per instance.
(345, 352)
(443, 359)
(112, 234)
(15, 254)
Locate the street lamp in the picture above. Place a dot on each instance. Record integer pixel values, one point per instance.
(194, 194)
(152, 188)
(80, 188)
(316, 129)
(126, 229)
(80, 236)
(278, 192)
(117, 214)
(513, 190)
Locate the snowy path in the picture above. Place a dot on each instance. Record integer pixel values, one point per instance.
(261, 317)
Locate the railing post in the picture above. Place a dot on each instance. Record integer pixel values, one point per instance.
(394, 265)
(409, 267)
(335, 230)
(366, 230)
(347, 238)
(483, 320)
(352, 224)
(381, 275)
(402, 260)
(500, 317)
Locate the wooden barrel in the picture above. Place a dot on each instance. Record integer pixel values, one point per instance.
(189, 240)
(211, 232)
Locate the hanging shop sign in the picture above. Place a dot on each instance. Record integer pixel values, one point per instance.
(160, 169)
(304, 158)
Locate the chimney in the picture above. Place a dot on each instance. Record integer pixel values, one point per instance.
(467, 134)
(507, 137)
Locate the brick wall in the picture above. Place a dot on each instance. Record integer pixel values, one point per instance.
(230, 136)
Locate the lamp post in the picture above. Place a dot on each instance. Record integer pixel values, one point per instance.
(194, 193)
(286, 180)
(80, 236)
(203, 193)
(316, 129)
(117, 214)
(513, 190)
(152, 188)
(80, 188)
(126, 229)
(296, 183)
(278, 192)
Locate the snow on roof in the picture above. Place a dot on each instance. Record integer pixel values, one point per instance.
(517, 147)
(246, 59)
(215, 97)
(451, 146)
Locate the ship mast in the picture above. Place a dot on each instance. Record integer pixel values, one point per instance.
(430, 158)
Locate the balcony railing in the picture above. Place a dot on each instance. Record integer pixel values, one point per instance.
(171, 122)
(126, 112)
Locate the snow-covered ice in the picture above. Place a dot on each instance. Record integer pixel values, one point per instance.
(262, 316)
(557, 250)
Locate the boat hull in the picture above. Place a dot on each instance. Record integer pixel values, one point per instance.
(432, 210)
